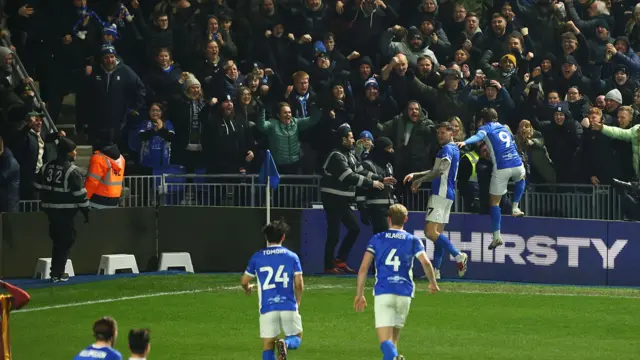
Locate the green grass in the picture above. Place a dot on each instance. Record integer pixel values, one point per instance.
(481, 321)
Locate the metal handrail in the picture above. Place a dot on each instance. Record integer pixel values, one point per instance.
(22, 71)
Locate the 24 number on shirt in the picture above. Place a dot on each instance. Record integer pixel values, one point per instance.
(281, 277)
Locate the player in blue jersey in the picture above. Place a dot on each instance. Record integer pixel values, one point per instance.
(507, 165)
(274, 268)
(443, 194)
(105, 330)
(393, 251)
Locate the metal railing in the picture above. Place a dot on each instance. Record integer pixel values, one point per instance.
(294, 191)
(303, 191)
(48, 124)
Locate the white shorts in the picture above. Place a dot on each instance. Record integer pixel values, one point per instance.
(438, 209)
(272, 322)
(391, 310)
(500, 179)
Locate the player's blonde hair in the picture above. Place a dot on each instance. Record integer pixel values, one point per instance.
(398, 214)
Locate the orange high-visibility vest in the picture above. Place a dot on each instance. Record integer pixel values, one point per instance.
(104, 181)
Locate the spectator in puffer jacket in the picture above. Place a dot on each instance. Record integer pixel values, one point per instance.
(9, 180)
(631, 135)
(562, 137)
(413, 46)
(284, 136)
(414, 136)
(534, 155)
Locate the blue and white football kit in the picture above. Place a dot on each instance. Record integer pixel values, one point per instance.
(275, 268)
(443, 188)
(394, 251)
(507, 165)
(443, 194)
(502, 148)
(98, 352)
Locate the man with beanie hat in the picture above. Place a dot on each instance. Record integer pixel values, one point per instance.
(613, 101)
(376, 204)
(112, 92)
(62, 193)
(342, 174)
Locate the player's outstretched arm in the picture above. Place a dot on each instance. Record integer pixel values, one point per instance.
(439, 167)
(479, 136)
(298, 284)
(428, 270)
(360, 302)
(245, 281)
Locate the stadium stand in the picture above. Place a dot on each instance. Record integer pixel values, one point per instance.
(181, 87)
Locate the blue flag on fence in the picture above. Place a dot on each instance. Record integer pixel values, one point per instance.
(269, 170)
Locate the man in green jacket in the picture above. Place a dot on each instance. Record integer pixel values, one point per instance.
(284, 136)
(632, 135)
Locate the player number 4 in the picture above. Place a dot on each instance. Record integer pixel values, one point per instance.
(281, 277)
(393, 260)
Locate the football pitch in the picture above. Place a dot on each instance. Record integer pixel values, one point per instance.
(209, 317)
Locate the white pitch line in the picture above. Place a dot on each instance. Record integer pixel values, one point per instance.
(308, 287)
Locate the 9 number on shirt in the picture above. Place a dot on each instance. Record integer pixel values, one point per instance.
(393, 260)
(506, 139)
(281, 277)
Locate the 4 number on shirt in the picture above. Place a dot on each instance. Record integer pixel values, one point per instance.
(281, 277)
(393, 260)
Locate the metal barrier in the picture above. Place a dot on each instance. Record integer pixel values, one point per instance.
(294, 191)
(48, 124)
(302, 191)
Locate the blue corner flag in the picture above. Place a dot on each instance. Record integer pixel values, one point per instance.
(269, 170)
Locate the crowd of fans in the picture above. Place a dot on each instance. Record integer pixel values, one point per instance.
(211, 84)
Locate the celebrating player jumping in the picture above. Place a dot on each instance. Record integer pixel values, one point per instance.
(279, 301)
(393, 251)
(507, 165)
(443, 193)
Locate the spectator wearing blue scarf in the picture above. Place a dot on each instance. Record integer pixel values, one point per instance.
(156, 135)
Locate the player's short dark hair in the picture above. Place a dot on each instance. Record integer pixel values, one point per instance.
(488, 115)
(275, 230)
(446, 125)
(104, 329)
(139, 340)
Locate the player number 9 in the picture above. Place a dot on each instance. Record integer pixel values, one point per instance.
(505, 138)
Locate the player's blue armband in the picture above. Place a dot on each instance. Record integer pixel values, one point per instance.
(474, 139)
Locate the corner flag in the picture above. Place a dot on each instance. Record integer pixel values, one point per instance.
(268, 172)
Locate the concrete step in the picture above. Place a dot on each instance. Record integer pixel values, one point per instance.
(84, 157)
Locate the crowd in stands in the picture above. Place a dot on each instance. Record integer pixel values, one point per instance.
(212, 84)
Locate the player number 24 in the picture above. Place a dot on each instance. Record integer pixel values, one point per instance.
(281, 277)
(393, 260)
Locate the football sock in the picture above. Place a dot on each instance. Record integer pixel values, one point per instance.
(389, 351)
(268, 355)
(446, 244)
(518, 191)
(438, 253)
(293, 342)
(495, 221)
